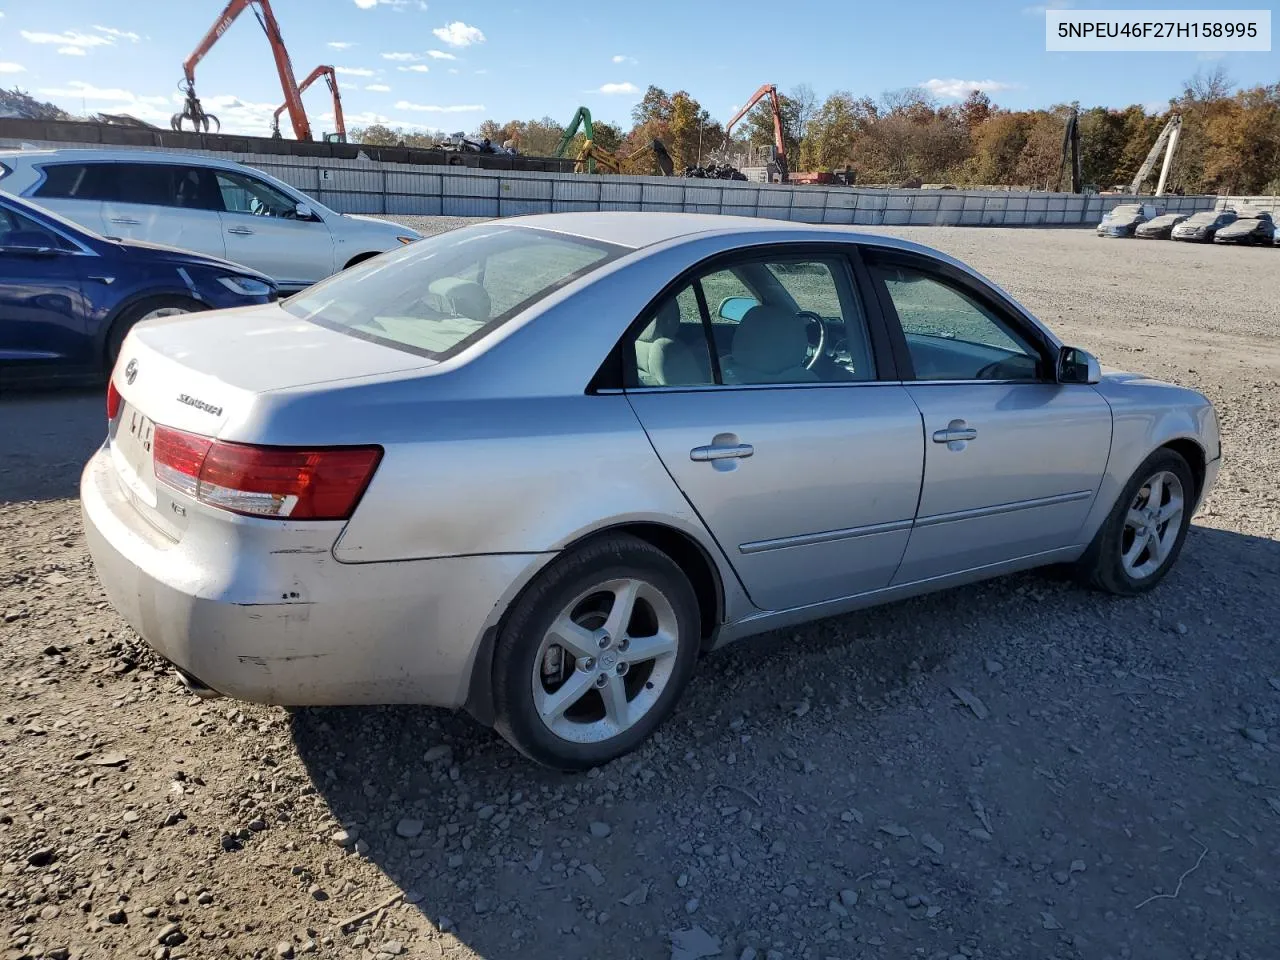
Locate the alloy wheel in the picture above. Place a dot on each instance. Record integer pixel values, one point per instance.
(1152, 525)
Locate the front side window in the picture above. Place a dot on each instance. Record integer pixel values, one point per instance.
(950, 335)
(437, 296)
(244, 194)
(18, 231)
(788, 320)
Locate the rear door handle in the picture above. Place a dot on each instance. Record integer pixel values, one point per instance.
(735, 451)
(126, 220)
(240, 231)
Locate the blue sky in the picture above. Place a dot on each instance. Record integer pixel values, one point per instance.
(447, 64)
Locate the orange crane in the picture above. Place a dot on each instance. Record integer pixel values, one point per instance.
(771, 91)
(193, 111)
(331, 78)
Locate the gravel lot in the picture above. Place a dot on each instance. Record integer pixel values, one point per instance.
(1013, 770)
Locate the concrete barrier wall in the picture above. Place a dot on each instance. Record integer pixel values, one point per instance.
(377, 187)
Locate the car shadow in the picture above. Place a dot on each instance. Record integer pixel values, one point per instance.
(499, 851)
(48, 435)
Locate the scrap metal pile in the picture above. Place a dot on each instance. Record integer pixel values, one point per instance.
(715, 171)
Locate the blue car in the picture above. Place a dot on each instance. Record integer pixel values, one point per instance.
(68, 296)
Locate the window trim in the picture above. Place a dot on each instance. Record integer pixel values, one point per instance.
(621, 361)
(314, 218)
(949, 276)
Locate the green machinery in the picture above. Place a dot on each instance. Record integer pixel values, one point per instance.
(581, 121)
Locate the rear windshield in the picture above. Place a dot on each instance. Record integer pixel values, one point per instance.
(440, 295)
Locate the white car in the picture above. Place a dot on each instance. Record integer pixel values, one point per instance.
(220, 208)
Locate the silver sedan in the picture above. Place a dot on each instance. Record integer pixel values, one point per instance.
(534, 468)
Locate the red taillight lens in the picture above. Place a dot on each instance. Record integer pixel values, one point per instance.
(282, 482)
(113, 400)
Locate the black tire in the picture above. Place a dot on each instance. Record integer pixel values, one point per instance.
(517, 648)
(131, 315)
(1101, 566)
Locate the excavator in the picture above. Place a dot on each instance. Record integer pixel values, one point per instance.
(780, 148)
(1169, 135)
(193, 112)
(590, 155)
(331, 79)
(581, 121)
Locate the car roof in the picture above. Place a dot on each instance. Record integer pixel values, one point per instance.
(88, 154)
(635, 230)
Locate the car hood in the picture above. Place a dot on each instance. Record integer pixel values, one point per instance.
(1239, 228)
(1121, 221)
(160, 253)
(387, 225)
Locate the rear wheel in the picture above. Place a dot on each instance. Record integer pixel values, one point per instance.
(150, 309)
(595, 654)
(1144, 533)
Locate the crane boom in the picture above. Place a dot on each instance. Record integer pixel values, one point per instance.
(1169, 136)
(193, 111)
(331, 78)
(771, 91)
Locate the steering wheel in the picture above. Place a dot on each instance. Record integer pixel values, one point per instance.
(820, 348)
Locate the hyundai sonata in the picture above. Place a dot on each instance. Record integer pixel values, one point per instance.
(536, 467)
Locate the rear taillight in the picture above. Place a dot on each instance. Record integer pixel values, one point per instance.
(324, 483)
(113, 400)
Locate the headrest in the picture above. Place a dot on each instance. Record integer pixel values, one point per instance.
(770, 340)
(665, 324)
(463, 298)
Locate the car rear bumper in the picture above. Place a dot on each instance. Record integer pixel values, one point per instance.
(261, 611)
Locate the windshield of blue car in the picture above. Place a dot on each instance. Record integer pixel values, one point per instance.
(440, 295)
(13, 216)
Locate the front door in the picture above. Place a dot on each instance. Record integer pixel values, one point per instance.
(803, 465)
(262, 230)
(1013, 459)
(42, 312)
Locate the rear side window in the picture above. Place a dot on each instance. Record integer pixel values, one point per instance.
(155, 184)
(438, 296)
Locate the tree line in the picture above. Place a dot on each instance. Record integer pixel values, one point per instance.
(1230, 140)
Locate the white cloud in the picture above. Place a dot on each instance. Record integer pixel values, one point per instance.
(480, 73)
(454, 70)
(955, 89)
(69, 39)
(71, 51)
(341, 44)
(368, 117)
(440, 55)
(118, 34)
(416, 68)
(402, 57)
(354, 71)
(366, 4)
(393, 4)
(433, 108)
(623, 58)
(459, 34)
(12, 67)
(378, 87)
(612, 88)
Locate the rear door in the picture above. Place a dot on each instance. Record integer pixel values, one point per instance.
(161, 203)
(804, 465)
(262, 230)
(1013, 459)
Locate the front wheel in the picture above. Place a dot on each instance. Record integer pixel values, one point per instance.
(1141, 538)
(595, 654)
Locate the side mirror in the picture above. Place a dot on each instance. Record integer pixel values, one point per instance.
(303, 212)
(735, 308)
(1078, 366)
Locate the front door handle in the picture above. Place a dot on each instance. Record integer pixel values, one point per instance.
(735, 451)
(240, 231)
(126, 220)
(956, 435)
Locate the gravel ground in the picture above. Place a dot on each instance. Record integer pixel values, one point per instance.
(1016, 769)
